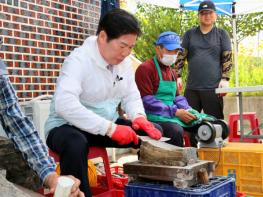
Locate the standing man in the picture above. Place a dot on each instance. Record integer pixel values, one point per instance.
(209, 56)
(25, 137)
(94, 79)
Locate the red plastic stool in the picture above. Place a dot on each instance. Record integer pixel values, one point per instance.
(233, 120)
(94, 152)
(239, 194)
(186, 137)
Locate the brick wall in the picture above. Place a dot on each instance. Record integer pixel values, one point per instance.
(38, 34)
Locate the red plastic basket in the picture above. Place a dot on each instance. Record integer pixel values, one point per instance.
(119, 179)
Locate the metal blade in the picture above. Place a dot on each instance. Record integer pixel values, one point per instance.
(147, 138)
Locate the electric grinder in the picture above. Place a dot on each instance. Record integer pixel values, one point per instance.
(211, 134)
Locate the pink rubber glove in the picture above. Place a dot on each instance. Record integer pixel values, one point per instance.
(124, 135)
(147, 127)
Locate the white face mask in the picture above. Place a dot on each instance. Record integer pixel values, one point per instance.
(168, 60)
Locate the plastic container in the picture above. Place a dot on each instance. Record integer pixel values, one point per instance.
(64, 186)
(244, 161)
(218, 186)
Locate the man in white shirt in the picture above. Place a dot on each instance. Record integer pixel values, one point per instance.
(94, 79)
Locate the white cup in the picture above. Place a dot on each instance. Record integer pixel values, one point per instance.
(64, 186)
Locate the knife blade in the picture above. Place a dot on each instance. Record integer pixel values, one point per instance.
(147, 138)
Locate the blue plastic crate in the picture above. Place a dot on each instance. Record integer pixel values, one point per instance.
(217, 187)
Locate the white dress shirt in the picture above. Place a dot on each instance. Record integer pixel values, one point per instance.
(87, 93)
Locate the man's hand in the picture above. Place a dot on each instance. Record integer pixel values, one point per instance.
(184, 115)
(147, 127)
(179, 85)
(51, 182)
(223, 84)
(124, 135)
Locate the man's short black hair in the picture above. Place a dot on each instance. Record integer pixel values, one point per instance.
(119, 22)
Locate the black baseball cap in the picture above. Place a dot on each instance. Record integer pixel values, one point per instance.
(207, 5)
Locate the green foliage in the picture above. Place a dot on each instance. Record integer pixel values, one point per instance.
(250, 73)
(155, 20)
(246, 25)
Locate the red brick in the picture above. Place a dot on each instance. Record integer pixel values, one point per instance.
(19, 94)
(19, 72)
(18, 41)
(8, 56)
(46, 30)
(10, 48)
(49, 80)
(12, 79)
(30, 94)
(5, 8)
(28, 80)
(52, 87)
(35, 94)
(43, 80)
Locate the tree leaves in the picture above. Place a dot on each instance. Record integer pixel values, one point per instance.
(155, 19)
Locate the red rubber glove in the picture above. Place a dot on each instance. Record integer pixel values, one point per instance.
(124, 135)
(147, 127)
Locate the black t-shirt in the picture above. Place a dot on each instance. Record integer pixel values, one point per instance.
(204, 57)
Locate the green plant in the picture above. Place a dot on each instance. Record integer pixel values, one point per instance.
(250, 73)
(155, 20)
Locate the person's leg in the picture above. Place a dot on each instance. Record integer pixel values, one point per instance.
(212, 104)
(173, 131)
(193, 99)
(71, 145)
(192, 134)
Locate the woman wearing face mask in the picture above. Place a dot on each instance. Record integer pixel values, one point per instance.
(156, 80)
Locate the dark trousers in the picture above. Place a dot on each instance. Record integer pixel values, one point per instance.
(175, 132)
(72, 145)
(206, 100)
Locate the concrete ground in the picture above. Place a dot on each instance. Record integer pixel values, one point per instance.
(28, 192)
